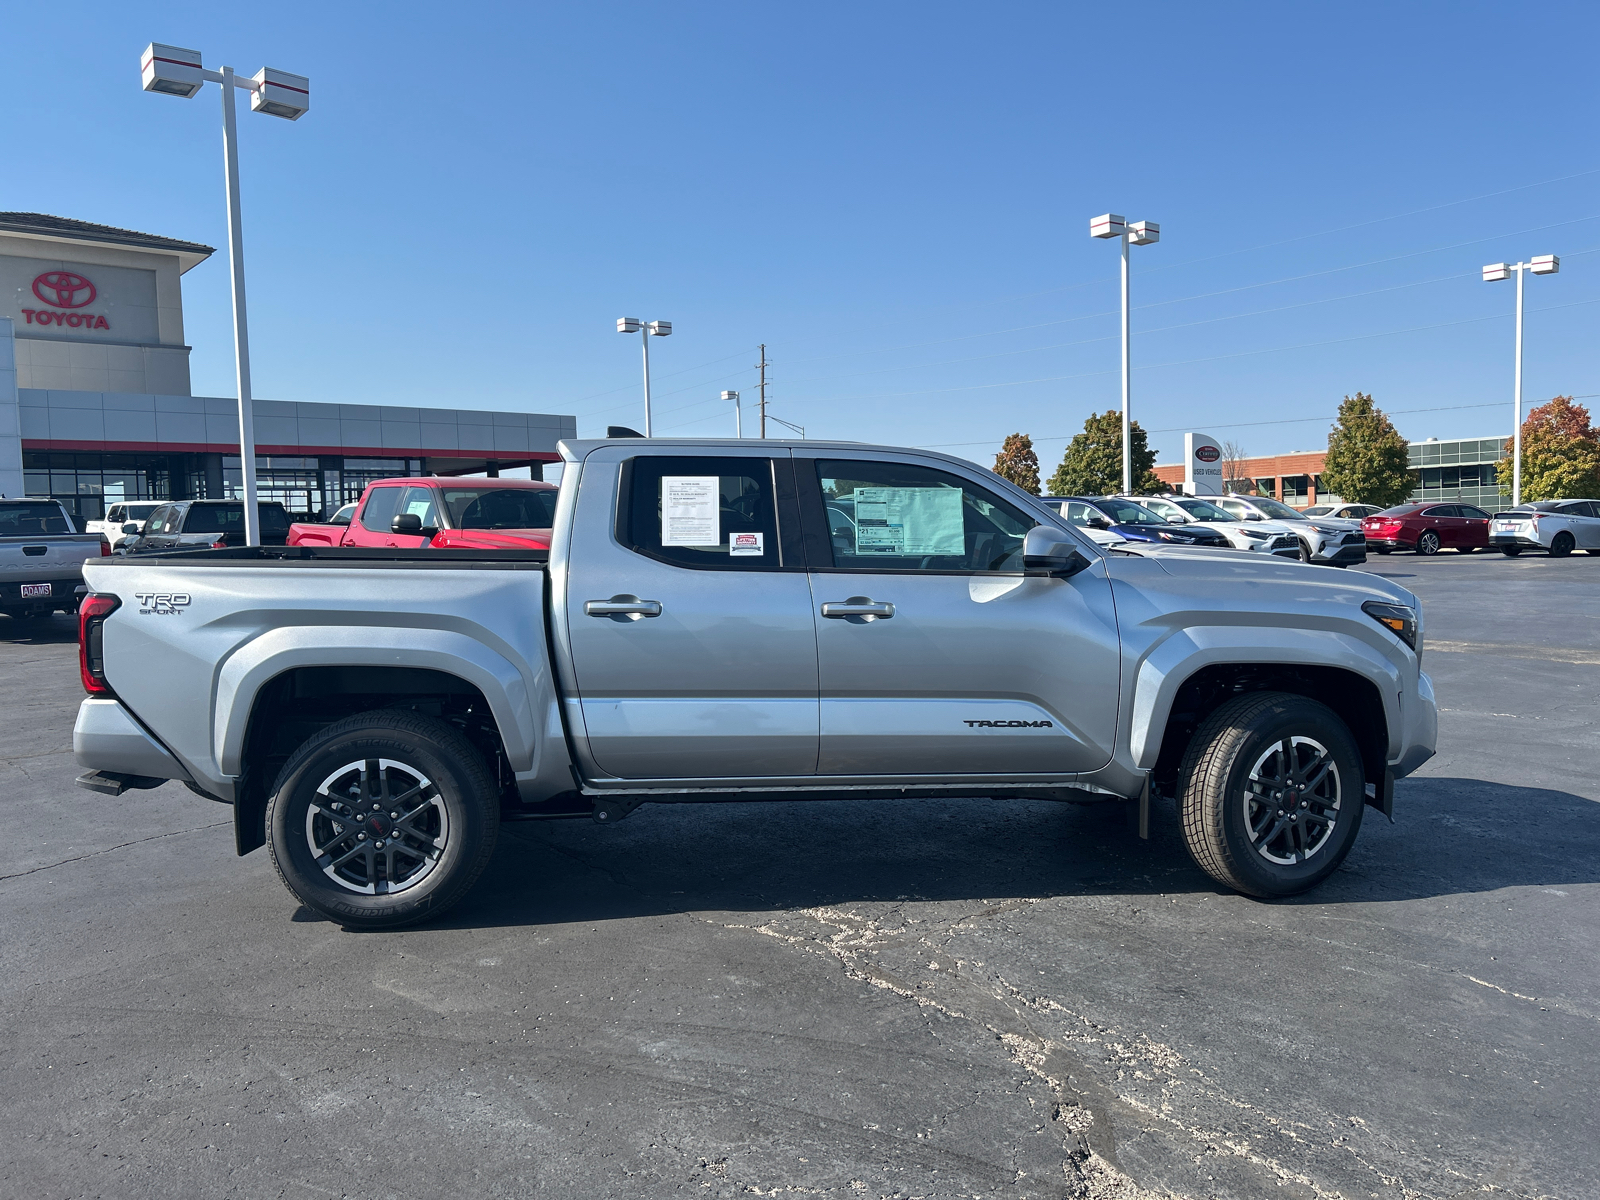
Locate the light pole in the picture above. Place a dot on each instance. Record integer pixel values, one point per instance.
(1140, 233)
(174, 71)
(645, 330)
(738, 415)
(1543, 264)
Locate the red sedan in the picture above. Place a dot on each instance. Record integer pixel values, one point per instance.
(1427, 528)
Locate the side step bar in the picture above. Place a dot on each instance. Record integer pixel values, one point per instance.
(112, 783)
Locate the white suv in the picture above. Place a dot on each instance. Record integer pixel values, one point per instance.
(1267, 537)
(1325, 540)
(129, 512)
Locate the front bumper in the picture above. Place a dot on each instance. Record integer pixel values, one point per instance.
(1420, 735)
(1352, 552)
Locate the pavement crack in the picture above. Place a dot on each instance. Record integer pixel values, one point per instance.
(154, 837)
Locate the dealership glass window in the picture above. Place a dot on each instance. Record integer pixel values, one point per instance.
(87, 483)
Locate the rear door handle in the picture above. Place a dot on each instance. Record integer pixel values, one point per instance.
(858, 609)
(622, 608)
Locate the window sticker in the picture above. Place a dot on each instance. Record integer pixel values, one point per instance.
(690, 510)
(746, 544)
(894, 520)
(419, 508)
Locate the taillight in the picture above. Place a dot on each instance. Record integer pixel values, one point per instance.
(105, 548)
(92, 614)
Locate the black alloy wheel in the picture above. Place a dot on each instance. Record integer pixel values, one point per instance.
(1562, 545)
(382, 819)
(1428, 543)
(1270, 793)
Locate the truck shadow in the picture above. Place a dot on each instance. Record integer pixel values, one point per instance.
(1452, 836)
(50, 630)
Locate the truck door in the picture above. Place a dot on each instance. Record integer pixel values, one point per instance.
(688, 617)
(371, 527)
(936, 655)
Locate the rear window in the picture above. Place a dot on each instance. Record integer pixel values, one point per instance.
(501, 508)
(22, 519)
(229, 518)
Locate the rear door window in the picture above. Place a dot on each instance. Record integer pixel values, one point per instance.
(708, 513)
(1441, 510)
(378, 512)
(1477, 514)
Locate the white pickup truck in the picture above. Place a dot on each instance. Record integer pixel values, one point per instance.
(748, 620)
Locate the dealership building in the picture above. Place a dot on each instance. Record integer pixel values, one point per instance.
(96, 405)
(1459, 469)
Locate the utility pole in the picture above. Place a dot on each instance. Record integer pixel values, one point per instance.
(763, 365)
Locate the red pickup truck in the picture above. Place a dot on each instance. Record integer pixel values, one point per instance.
(443, 513)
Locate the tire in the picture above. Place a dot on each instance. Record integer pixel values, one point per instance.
(1242, 842)
(443, 844)
(1383, 550)
(1428, 543)
(1592, 551)
(1305, 552)
(1562, 545)
(1466, 549)
(1511, 551)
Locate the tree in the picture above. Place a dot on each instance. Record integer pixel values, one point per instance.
(1236, 470)
(1368, 461)
(1560, 454)
(1018, 463)
(1092, 465)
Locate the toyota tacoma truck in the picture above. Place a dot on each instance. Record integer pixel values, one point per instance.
(41, 558)
(706, 626)
(442, 512)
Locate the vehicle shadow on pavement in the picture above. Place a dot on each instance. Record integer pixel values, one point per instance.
(52, 630)
(1451, 836)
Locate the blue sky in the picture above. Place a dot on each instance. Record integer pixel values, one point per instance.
(893, 197)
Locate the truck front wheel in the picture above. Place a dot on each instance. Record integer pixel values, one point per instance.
(1270, 794)
(382, 819)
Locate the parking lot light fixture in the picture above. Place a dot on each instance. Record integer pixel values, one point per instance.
(646, 330)
(174, 71)
(738, 416)
(1138, 233)
(1542, 264)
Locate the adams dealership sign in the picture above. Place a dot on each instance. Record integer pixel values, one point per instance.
(65, 290)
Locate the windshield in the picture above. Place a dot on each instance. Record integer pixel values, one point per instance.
(19, 520)
(501, 508)
(1280, 512)
(1126, 512)
(1318, 510)
(1201, 511)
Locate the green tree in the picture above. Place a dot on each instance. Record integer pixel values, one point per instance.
(1367, 460)
(1560, 454)
(1018, 463)
(1092, 465)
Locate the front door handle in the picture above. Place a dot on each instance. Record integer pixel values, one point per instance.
(622, 608)
(858, 609)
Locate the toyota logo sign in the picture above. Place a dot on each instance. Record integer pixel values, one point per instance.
(1207, 453)
(64, 289)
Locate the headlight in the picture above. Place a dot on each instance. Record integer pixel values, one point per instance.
(1165, 536)
(1396, 618)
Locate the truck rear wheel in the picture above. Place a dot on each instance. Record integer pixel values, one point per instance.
(382, 819)
(1270, 794)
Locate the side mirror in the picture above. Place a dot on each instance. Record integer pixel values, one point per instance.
(406, 524)
(1098, 522)
(131, 528)
(1047, 551)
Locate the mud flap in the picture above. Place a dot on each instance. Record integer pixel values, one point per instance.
(249, 817)
(1381, 796)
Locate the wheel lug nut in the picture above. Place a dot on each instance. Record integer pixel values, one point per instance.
(394, 816)
(361, 837)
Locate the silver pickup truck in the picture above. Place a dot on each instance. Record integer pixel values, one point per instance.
(42, 557)
(748, 620)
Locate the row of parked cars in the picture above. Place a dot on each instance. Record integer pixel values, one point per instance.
(1557, 527)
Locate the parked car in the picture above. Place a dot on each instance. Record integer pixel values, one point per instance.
(205, 525)
(693, 633)
(1345, 512)
(119, 516)
(323, 533)
(1266, 537)
(1132, 521)
(1326, 541)
(1557, 527)
(1428, 528)
(443, 512)
(41, 558)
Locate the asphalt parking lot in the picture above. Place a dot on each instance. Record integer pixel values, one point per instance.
(838, 999)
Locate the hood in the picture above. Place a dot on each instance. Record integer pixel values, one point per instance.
(1236, 567)
(1339, 524)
